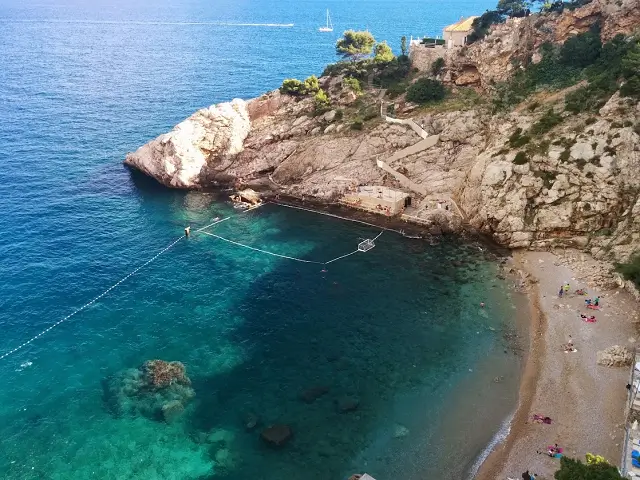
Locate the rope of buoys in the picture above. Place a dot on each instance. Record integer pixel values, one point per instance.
(343, 256)
(335, 216)
(88, 304)
(260, 250)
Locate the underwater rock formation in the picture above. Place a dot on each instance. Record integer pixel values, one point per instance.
(276, 435)
(158, 390)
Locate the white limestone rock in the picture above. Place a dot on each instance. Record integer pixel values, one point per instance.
(176, 159)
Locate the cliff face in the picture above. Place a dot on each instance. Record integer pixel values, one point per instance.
(580, 185)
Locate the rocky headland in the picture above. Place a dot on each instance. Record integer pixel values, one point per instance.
(532, 175)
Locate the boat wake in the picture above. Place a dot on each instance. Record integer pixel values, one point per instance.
(108, 22)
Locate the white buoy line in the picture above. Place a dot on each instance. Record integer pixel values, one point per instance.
(173, 243)
(296, 259)
(88, 304)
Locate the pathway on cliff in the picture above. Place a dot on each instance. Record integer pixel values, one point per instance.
(427, 141)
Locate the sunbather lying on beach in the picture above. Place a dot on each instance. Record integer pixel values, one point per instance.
(541, 419)
(591, 319)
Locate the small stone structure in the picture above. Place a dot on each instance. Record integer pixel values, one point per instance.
(377, 199)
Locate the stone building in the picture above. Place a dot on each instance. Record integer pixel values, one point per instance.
(456, 35)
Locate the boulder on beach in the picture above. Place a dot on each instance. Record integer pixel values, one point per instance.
(615, 356)
(276, 435)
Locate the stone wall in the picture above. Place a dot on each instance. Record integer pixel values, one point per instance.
(422, 57)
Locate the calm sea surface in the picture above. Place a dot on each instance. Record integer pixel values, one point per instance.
(398, 328)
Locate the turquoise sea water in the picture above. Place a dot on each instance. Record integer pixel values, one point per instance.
(398, 327)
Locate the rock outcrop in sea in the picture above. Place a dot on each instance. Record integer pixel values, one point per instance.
(177, 158)
(577, 187)
(158, 390)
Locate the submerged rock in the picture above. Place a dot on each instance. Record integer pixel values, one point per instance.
(347, 404)
(251, 421)
(172, 410)
(276, 435)
(310, 395)
(158, 390)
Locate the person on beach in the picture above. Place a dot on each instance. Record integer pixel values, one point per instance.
(566, 287)
(528, 476)
(596, 301)
(561, 291)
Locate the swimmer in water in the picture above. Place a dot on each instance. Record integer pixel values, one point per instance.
(324, 270)
(187, 231)
(482, 304)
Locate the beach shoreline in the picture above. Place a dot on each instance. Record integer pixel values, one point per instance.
(561, 385)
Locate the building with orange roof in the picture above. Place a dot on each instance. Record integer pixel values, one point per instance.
(456, 35)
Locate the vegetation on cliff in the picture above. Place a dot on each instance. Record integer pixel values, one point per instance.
(631, 270)
(604, 67)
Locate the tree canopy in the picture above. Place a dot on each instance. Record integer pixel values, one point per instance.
(425, 90)
(571, 469)
(383, 53)
(512, 7)
(354, 45)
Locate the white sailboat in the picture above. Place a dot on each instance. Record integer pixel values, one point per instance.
(329, 27)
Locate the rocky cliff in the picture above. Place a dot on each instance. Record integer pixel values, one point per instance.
(579, 185)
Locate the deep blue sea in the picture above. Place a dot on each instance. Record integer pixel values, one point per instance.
(399, 327)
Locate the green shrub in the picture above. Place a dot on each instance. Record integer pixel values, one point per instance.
(339, 114)
(581, 50)
(590, 120)
(616, 125)
(292, 86)
(565, 155)
(357, 124)
(382, 53)
(631, 270)
(482, 24)
(437, 66)
(532, 106)
(321, 101)
(295, 87)
(353, 84)
(517, 139)
(595, 160)
(609, 150)
(388, 74)
(425, 90)
(549, 120)
(521, 158)
(627, 123)
(396, 89)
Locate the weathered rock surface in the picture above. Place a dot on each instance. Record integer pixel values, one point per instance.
(579, 186)
(177, 158)
(615, 356)
(276, 435)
